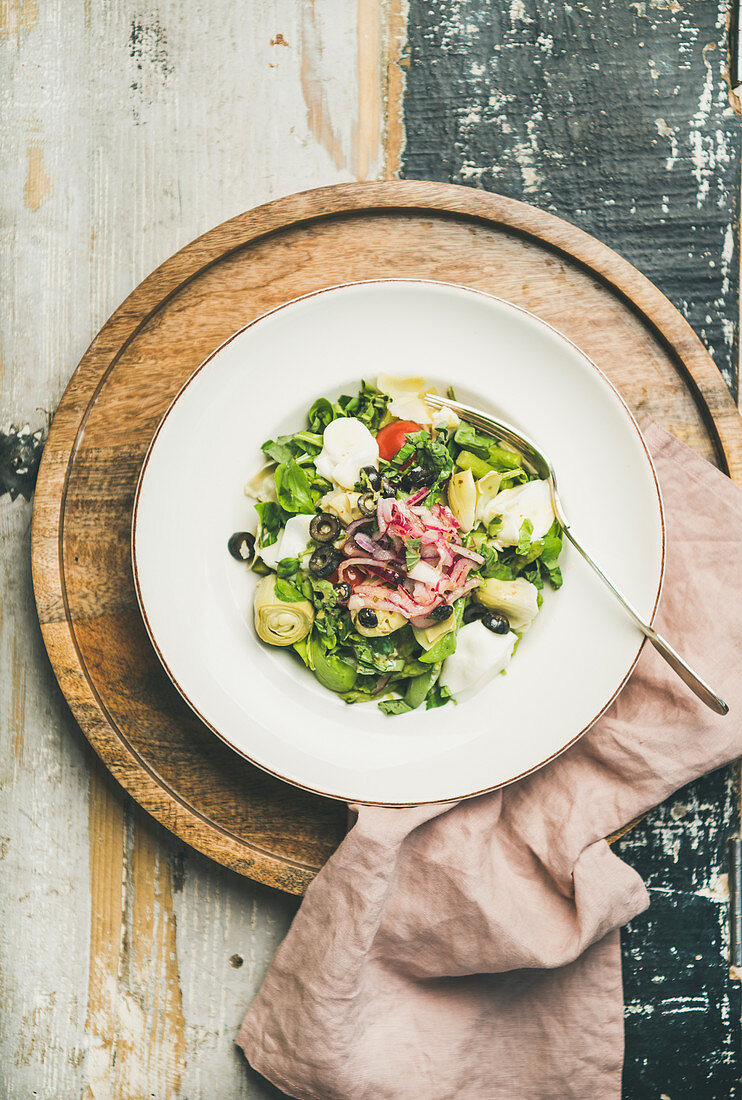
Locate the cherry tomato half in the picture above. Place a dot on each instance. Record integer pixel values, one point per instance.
(394, 436)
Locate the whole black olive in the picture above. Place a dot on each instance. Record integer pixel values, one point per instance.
(368, 618)
(242, 546)
(416, 477)
(442, 612)
(372, 477)
(324, 527)
(387, 489)
(473, 611)
(498, 624)
(343, 591)
(324, 561)
(367, 504)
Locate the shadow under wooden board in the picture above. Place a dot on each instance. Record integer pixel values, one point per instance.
(129, 711)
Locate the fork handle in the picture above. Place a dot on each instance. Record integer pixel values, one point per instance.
(698, 686)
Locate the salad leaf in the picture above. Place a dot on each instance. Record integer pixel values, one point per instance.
(287, 567)
(394, 706)
(422, 450)
(484, 447)
(272, 521)
(412, 553)
(303, 446)
(369, 406)
(418, 688)
(438, 696)
(320, 415)
(446, 645)
(549, 558)
(524, 536)
(288, 592)
(293, 489)
(331, 671)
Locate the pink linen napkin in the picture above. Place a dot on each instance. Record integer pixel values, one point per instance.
(471, 951)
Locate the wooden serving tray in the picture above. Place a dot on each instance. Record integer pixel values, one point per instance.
(127, 708)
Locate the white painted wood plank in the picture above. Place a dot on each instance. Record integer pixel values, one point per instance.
(127, 131)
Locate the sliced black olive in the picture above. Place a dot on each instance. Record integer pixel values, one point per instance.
(324, 561)
(368, 618)
(324, 527)
(498, 624)
(442, 612)
(242, 546)
(343, 591)
(372, 476)
(387, 489)
(367, 504)
(474, 611)
(416, 477)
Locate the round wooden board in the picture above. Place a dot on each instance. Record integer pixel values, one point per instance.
(128, 709)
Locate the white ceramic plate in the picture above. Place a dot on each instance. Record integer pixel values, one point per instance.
(197, 601)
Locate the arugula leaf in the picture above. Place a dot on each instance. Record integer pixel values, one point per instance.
(369, 406)
(524, 536)
(272, 521)
(549, 559)
(302, 446)
(412, 553)
(394, 706)
(288, 592)
(320, 415)
(293, 489)
(438, 696)
(422, 450)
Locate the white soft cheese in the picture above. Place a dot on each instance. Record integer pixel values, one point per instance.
(292, 541)
(347, 446)
(480, 655)
(531, 501)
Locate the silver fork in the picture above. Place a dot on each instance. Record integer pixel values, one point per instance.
(541, 465)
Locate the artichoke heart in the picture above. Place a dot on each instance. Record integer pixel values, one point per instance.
(462, 498)
(342, 504)
(277, 621)
(262, 486)
(518, 600)
(387, 623)
(487, 489)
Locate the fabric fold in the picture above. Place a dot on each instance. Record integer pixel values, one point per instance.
(471, 950)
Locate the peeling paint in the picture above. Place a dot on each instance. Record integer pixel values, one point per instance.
(20, 455)
(38, 183)
(17, 16)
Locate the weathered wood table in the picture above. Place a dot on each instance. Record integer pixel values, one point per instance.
(126, 960)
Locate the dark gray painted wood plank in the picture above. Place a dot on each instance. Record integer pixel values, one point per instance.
(616, 117)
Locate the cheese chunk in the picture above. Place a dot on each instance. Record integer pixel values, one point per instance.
(292, 542)
(347, 446)
(531, 501)
(480, 655)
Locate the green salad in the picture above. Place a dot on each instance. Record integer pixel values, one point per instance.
(401, 554)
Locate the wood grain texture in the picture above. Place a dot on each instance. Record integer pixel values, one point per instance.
(126, 706)
(127, 130)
